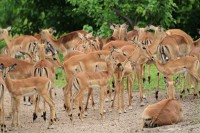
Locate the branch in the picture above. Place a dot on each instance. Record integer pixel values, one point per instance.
(124, 16)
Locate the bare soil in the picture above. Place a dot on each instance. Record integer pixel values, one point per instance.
(112, 123)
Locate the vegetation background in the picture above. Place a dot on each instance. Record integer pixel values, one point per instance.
(29, 16)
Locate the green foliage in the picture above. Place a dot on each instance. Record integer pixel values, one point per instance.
(2, 45)
(29, 16)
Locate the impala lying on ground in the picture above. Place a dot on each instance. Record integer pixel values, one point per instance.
(165, 112)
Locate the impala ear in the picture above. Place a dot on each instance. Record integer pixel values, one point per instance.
(136, 28)
(80, 35)
(52, 31)
(101, 56)
(114, 26)
(89, 35)
(11, 68)
(8, 28)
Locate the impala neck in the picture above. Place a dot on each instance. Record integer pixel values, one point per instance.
(8, 82)
(116, 33)
(8, 40)
(110, 68)
(42, 52)
(57, 44)
(159, 66)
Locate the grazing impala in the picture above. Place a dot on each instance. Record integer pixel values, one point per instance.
(27, 87)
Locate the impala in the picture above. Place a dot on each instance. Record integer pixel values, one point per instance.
(27, 87)
(19, 43)
(2, 116)
(165, 112)
(187, 63)
(84, 81)
(65, 42)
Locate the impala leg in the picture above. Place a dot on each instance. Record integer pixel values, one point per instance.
(44, 110)
(139, 75)
(149, 74)
(3, 114)
(67, 103)
(122, 96)
(52, 109)
(171, 90)
(78, 107)
(88, 97)
(158, 86)
(129, 90)
(92, 98)
(113, 102)
(101, 99)
(195, 89)
(118, 96)
(36, 106)
(183, 84)
(132, 81)
(13, 112)
(18, 110)
(143, 73)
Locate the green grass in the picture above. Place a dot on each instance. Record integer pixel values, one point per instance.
(148, 88)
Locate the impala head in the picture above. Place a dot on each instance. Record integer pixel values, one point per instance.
(158, 28)
(47, 33)
(95, 44)
(53, 56)
(33, 49)
(143, 50)
(123, 31)
(4, 32)
(5, 70)
(85, 42)
(115, 28)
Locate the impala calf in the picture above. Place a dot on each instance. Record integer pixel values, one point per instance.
(165, 112)
(27, 87)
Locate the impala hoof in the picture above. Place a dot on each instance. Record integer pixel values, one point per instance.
(85, 114)
(130, 108)
(119, 111)
(142, 104)
(50, 127)
(107, 100)
(125, 111)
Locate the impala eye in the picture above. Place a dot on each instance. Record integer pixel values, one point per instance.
(54, 59)
(144, 48)
(124, 54)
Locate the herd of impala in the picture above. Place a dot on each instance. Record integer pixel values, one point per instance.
(28, 67)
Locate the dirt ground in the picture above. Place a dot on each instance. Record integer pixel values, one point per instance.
(112, 123)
